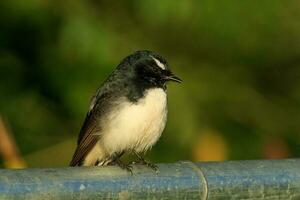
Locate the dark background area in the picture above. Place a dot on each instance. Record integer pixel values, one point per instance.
(240, 62)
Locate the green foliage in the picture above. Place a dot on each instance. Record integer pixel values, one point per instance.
(239, 61)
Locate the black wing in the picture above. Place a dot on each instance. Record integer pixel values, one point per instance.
(87, 136)
(113, 88)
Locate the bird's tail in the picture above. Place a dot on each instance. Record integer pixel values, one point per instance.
(96, 156)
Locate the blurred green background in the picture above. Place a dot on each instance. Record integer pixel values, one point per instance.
(240, 62)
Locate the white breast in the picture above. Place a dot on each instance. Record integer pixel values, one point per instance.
(138, 125)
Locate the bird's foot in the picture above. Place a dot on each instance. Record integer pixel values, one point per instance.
(125, 166)
(142, 161)
(148, 164)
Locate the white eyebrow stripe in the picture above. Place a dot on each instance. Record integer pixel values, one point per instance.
(159, 63)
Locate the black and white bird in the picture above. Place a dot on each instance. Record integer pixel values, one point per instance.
(128, 113)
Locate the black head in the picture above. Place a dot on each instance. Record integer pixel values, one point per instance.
(149, 69)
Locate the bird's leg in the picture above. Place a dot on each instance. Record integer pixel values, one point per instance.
(142, 161)
(114, 160)
(121, 164)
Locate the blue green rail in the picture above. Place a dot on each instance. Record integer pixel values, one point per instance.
(263, 179)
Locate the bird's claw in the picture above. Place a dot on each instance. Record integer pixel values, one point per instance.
(127, 167)
(150, 165)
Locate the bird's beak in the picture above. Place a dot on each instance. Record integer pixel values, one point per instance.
(171, 77)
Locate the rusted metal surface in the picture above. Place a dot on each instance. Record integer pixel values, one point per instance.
(278, 179)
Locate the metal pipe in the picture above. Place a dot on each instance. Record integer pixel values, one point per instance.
(262, 179)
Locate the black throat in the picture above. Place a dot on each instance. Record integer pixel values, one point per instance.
(140, 85)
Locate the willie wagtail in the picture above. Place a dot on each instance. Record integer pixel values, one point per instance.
(127, 114)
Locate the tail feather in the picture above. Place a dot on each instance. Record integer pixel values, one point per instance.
(76, 160)
(95, 156)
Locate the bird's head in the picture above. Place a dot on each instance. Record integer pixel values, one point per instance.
(150, 68)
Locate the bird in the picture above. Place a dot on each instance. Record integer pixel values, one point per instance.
(127, 114)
